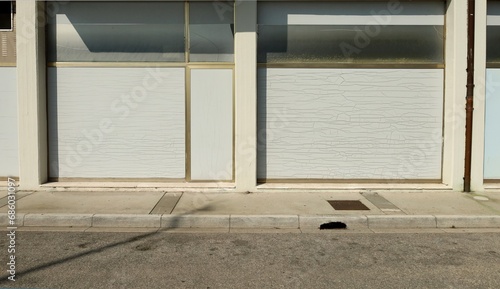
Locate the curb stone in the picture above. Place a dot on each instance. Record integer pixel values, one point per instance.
(126, 221)
(58, 220)
(195, 221)
(265, 221)
(457, 221)
(4, 219)
(307, 222)
(401, 221)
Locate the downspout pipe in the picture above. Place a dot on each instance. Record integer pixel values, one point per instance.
(469, 104)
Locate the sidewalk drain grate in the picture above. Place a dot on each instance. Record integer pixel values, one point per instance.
(354, 205)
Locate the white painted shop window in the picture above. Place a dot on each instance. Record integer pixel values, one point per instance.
(492, 100)
(116, 32)
(347, 32)
(6, 15)
(211, 32)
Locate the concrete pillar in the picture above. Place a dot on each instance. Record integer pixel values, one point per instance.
(31, 94)
(477, 172)
(455, 91)
(246, 95)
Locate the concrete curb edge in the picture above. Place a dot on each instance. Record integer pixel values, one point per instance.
(252, 221)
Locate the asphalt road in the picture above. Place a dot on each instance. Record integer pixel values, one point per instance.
(327, 260)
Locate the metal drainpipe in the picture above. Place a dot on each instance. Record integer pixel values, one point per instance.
(469, 106)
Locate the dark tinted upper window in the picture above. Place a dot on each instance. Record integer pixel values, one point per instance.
(5, 15)
(493, 32)
(106, 31)
(351, 32)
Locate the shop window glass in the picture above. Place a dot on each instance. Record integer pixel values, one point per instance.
(211, 32)
(361, 32)
(116, 32)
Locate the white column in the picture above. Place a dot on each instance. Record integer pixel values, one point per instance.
(246, 95)
(479, 97)
(31, 94)
(455, 91)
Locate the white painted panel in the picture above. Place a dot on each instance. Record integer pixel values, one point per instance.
(116, 122)
(350, 123)
(9, 160)
(492, 125)
(343, 13)
(211, 124)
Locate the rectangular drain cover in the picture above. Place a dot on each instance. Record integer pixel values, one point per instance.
(348, 205)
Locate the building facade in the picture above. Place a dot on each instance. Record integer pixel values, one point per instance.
(247, 95)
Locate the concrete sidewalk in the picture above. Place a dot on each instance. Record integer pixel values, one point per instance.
(225, 211)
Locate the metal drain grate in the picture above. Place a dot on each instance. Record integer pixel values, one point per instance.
(348, 205)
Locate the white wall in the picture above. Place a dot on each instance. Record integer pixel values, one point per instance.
(116, 122)
(350, 123)
(485, 141)
(212, 124)
(492, 125)
(9, 159)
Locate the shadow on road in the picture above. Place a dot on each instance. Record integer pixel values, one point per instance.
(174, 222)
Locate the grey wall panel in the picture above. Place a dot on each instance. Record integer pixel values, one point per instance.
(492, 125)
(211, 124)
(116, 122)
(9, 160)
(350, 123)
